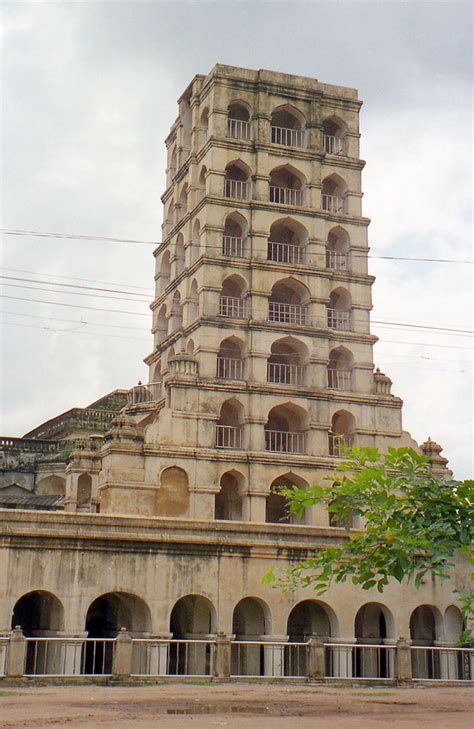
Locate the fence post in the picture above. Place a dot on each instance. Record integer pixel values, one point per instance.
(16, 653)
(316, 659)
(122, 661)
(403, 661)
(222, 665)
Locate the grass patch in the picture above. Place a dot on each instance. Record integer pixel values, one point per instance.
(7, 693)
(373, 693)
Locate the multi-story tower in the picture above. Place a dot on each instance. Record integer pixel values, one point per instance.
(263, 358)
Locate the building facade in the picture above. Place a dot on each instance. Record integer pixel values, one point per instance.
(261, 370)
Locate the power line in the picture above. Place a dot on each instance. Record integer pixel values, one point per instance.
(77, 278)
(72, 293)
(71, 331)
(73, 306)
(74, 286)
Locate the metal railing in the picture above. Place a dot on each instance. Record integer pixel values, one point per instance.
(237, 189)
(337, 261)
(260, 658)
(280, 441)
(232, 306)
(230, 368)
(69, 657)
(339, 379)
(348, 660)
(233, 246)
(285, 374)
(229, 436)
(285, 196)
(338, 443)
(287, 137)
(284, 252)
(333, 203)
(239, 129)
(333, 145)
(173, 657)
(440, 663)
(339, 319)
(287, 313)
(152, 392)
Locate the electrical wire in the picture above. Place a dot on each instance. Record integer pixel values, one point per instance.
(73, 306)
(76, 278)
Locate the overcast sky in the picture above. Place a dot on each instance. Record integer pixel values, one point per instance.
(89, 93)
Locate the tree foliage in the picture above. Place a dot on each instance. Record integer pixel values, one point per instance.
(412, 523)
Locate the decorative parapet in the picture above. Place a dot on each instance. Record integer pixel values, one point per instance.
(72, 420)
(432, 451)
(183, 365)
(29, 444)
(124, 428)
(383, 384)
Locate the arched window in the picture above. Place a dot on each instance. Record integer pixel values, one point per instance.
(161, 325)
(285, 429)
(183, 202)
(287, 126)
(287, 186)
(173, 494)
(230, 363)
(173, 163)
(176, 318)
(276, 507)
(229, 427)
(228, 503)
(238, 121)
(235, 236)
(237, 181)
(286, 364)
(341, 434)
(193, 302)
(204, 127)
(333, 194)
(165, 272)
(338, 250)
(288, 302)
(339, 310)
(334, 131)
(287, 241)
(340, 367)
(168, 221)
(201, 191)
(233, 295)
(179, 255)
(195, 247)
(84, 490)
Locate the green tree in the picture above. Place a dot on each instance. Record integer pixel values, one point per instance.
(414, 523)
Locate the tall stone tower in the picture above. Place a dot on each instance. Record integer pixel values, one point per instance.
(262, 365)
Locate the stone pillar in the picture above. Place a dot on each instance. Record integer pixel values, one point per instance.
(122, 662)
(274, 655)
(4, 641)
(153, 659)
(447, 661)
(316, 668)
(222, 663)
(403, 661)
(16, 653)
(343, 658)
(71, 654)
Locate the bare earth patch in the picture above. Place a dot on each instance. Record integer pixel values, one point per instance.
(237, 706)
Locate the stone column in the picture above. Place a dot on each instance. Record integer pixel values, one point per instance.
(156, 656)
(343, 658)
(16, 653)
(403, 661)
(122, 661)
(274, 655)
(222, 663)
(447, 661)
(316, 667)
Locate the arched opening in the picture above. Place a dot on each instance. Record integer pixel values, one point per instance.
(183, 202)
(84, 491)
(233, 297)
(308, 619)
(193, 303)
(161, 324)
(234, 239)
(40, 614)
(339, 310)
(453, 624)
(285, 429)
(426, 627)
(237, 181)
(341, 434)
(195, 242)
(276, 506)
(238, 121)
(340, 367)
(201, 191)
(250, 622)
(190, 347)
(374, 623)
(173, 494)
(175, 320)
(287, 241)
(179, 254)
(154, 386)
(168, 221)
(338, 250)
(288, 302)
(334, 131)
(204, 127)
(230, 359)
(287, 126)
(193, 618)
(228, 502)
(229, 427)
(333, 193)
(173, 164)
(286, 364)
(287, 186)
(165, 271)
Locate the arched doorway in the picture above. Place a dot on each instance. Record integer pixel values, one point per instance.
(250, 622)
(308, 619)
(373, 625)
(40, 614)
(425, 628)
(193, 617)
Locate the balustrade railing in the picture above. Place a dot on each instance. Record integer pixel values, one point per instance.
(284, 252)
(333, 145)
(285, 374)
(152, 392)
(337, 261)
(287, 313)
(173, 657)
(280, 441)
(262, 658)
(338, 443)
(348, 660)
(339, 319)
(233, 307)
(237, 189)
(233, 246)
(287, 137)
(285, 196)
(339, 379)
(442, 663)
(228, 436)
(69, 657)
(239, 129)
(230, 368)
(333, 203)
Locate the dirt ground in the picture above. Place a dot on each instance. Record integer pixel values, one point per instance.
(236, 706)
